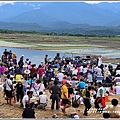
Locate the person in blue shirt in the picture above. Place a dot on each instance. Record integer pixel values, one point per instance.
(81, 84)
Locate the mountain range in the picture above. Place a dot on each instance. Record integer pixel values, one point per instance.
(59, 16)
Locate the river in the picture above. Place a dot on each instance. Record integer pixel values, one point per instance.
(37, 56)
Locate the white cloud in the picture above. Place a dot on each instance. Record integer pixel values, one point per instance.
(96, 2)
(6, 2)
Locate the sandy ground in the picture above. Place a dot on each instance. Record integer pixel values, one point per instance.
(15, 111)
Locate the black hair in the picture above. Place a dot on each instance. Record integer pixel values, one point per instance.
(89, 87)
(40, 93)
(106, 115)
(99, 83)
(8, 76)
(28, 92)
(114, 102)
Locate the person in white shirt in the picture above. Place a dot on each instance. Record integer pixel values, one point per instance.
(99, 60)
(60, 76)
(100, 95)
(41, 87)
(9, 89)
(117, 88)
(75, 71)
(26, 99)
(42, 102)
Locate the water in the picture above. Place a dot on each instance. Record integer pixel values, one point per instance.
(37, 56)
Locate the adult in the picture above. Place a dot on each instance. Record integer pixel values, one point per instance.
(117, 88)
(40, 72)
(26, 99)
(99, 60)
(9, 89)
(100, 98)
(33, 71)
(65, 99)
(112, 90)
(87, 101)
(55, 95)
(19, 91)
(60, 76)
(115, 110)
(81, 84)
(2, 69)
(42, 102)
(21, 63)
(37, 87)
(28, 112)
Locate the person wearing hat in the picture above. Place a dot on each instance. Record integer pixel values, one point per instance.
(19, 91)
(65, 99)
(117, 88)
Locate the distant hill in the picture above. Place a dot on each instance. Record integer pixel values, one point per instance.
(22, 26)
(71, 12)
(68, 28)
(71, 17)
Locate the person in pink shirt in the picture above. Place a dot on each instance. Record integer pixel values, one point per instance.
(112, 90)
(2, 69)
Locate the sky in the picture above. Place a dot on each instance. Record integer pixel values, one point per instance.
(90, 2)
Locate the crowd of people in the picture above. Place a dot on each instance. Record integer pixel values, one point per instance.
(70, 82)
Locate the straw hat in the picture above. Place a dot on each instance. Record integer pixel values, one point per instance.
(27, 72)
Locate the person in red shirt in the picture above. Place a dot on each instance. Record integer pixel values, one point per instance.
(40, 72)
(33, 71)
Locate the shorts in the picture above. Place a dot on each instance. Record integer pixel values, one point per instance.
(9, 94)
(66, 101)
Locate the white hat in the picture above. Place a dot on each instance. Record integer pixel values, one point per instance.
(19, 80)
(27, 72)
(68, 82)
(11, 76)
(22, 55)
(76, 117)
(118, 83)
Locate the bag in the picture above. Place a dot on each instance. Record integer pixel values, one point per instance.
(75, 103)
(4, 87)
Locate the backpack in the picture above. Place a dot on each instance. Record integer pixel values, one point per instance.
(75, 103)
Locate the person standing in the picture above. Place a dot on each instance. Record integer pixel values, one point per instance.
(21, 63)
(100, 98)
(19, 91)
(99, 60)
(55, 92)
(65, 99)
(87, 101)
(9, 89)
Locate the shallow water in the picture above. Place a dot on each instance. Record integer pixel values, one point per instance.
(37, 56)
